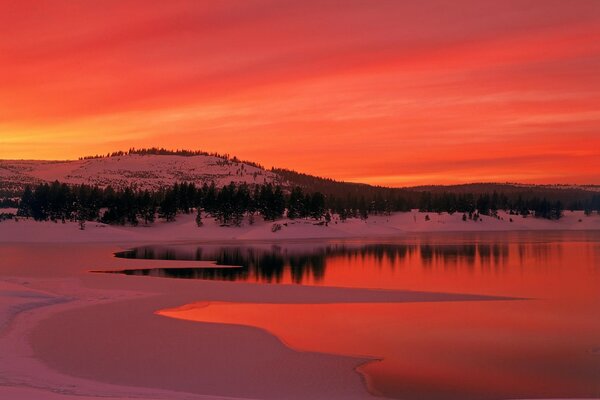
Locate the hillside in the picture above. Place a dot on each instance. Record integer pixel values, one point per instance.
(155, 169)
(506, 188)
(567, 194)
(132, 170)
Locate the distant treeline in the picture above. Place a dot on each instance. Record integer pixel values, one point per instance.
(229, 204)
(165, 152)
(232, 203)
(462, 198)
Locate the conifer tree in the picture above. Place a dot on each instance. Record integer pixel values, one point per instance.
(168, 206)
(26, 204)
(317, 205)
(296, 203)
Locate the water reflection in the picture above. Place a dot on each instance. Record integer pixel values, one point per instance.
(309, 264)
(546, 347)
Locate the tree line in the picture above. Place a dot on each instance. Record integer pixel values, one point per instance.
(229, 205)
(521, 199)
(161, 151)
(233, 203)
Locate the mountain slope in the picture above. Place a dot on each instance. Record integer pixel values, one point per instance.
(154, 169)
(140, 171)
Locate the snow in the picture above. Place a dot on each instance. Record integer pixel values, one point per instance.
(140, 171)
(45, 287)
(112, 325)
(185, 228)
(22, 375)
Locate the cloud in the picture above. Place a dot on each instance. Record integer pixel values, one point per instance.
(329, 87)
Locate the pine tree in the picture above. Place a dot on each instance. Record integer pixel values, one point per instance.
(317, 205)
(295, 203)
(278, 202)
(209, 197)
(168, 206)
(26, 204)
(363, 209)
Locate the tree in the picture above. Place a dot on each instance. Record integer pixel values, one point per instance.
(241, 203)
(26, 204)
(317, 205)
(271, 202)
(363, 209)
(483, 204)
(209, 197)
(295, 203)
(223, 209)
(278, 202)
(147, 207)
(168, 206)
(129, 206)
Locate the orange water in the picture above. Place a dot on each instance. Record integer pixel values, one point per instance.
(546, 346)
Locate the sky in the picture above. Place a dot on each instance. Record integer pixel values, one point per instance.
(385, 92)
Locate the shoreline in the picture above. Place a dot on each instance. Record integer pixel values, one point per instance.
(96, 306)
(185, 229)
(30, 378)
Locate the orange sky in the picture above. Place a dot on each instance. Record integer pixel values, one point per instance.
(384, 92)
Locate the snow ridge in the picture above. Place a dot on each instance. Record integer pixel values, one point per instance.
(142, 172)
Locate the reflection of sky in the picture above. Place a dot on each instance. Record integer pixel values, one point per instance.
(541, 346)
(503, 262)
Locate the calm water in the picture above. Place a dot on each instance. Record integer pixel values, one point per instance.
(545, 346)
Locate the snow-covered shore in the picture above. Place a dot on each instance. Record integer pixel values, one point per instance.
(67, 333)
(185, 228)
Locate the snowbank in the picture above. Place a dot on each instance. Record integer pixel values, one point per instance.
(184, 228)
(150, 172)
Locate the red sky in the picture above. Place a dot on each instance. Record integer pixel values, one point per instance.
(386, 92)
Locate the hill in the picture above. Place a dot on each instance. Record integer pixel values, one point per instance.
(139, 171)
(155, 169)
(569, 195)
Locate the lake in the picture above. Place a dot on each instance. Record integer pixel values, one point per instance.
(543, 340)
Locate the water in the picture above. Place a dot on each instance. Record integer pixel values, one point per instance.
(546, 345)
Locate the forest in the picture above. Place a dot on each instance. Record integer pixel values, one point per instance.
(235, 203)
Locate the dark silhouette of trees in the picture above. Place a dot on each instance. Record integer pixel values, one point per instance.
(168, 205)
(26, 204)
(235, 203)
(166, 152)
(271, 202)
(296, 203)
(317, 205)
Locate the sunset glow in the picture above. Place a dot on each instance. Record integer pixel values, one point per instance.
(388, 92)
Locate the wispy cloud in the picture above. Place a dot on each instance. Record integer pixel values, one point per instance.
(387, 92)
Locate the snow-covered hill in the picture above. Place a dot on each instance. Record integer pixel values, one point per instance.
(134, 170)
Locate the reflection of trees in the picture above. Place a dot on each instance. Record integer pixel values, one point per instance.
(464, 254)
(221, 274)
(273, 264)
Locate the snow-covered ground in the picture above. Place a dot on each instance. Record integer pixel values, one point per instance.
(185, 228)
(45, 286)
(68, 334)
(140, 171)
